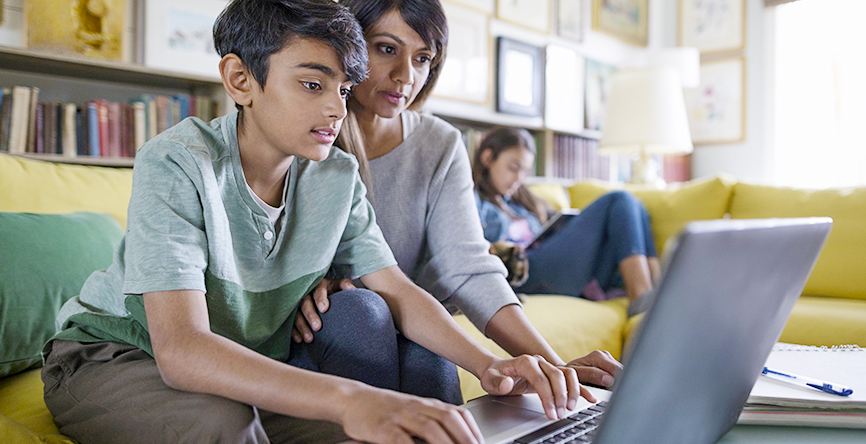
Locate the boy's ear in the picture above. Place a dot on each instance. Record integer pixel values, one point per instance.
(237, 81)
(487, 157)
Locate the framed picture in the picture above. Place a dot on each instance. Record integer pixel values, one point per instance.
(12, 23)
(622, 19)
(466, 73)
(520, 78)
(77, 27)
(563, 102)
(532, 14)
(178, 35)
(717, 107)
(569, 19)
(485, 6)
(712, 26)
(597, 91)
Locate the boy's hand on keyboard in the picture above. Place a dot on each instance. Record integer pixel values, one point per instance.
(557, 387)
(598, 368)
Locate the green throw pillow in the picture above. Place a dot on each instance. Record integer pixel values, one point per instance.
(44, 260)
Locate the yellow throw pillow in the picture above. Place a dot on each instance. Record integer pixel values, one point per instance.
(670, 208)
(552, 193)
(840, 268)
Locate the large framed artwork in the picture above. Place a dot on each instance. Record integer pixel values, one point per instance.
(466, 73)
(717, 107)
(520, 78)
(178, 35)
(532, 14)
(563, 103)
(597, 91)
(485, 6)
(623, 19)
(569, 19)
(76, 27)
(712, 25)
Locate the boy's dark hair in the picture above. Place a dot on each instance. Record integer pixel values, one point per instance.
(255, 29)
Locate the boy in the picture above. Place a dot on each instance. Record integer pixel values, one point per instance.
(187, 336)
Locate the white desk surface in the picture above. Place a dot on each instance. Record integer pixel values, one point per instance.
(755, 434)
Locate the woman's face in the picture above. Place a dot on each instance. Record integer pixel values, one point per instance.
(508, 171)
(399, 66)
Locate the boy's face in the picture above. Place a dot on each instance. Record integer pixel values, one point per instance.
(303, 104)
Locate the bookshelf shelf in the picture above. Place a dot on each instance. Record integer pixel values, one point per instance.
(124, 162)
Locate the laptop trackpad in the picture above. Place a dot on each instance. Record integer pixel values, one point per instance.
(507, 416)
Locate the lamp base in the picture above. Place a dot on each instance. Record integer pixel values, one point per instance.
(645, 170)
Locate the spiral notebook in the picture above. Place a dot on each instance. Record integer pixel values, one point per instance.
(775, 402)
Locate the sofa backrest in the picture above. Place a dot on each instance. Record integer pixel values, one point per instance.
(34, 186)
(841, 268)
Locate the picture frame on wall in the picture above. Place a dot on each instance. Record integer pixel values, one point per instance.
(563, 101)
(519, 78)
(466, 75)
(178, 36)
(531, 14)
(626, 20)
(596, 93)
(485, 6)
(712, 26)
(717, 109)
(12, 23)
(569, 19)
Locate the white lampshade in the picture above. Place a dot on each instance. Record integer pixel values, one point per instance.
(646, 114)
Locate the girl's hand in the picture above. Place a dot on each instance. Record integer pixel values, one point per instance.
(557, 386)
(377, 415)
(307, 319)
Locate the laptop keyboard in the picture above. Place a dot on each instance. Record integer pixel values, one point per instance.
(577, 428)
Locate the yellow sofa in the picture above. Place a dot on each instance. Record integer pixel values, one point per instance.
(831, 311)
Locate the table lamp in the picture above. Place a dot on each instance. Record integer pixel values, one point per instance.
(646, 115)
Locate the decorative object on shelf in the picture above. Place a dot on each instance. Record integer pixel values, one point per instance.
(485, 6)
(596, 93)
(712, 26)
(179, 35)
(717, 107)
(520, 78)
(466, 75)
(623, 19)
(93, 28)
(646, 116)
(563, 104)
(532, 14)
(569, 19)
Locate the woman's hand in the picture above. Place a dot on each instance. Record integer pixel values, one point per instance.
(557, 386)
(377, 415)
(307, 319)
(598, 368)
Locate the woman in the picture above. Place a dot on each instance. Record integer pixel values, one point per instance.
(417, 170)
(610, 235)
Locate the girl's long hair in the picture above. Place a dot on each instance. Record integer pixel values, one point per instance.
(427, 18)
(497, 141)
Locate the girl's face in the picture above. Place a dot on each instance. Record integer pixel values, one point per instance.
(508, 171)
(399, 66)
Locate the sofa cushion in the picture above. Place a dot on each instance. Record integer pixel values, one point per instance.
(573, 327)
(670, 208)
(33, 186)
(24, 419)
(840, 268)
(553, 194)
(46, 259)
(818, 320)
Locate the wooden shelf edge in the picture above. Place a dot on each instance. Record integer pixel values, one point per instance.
(121, 162)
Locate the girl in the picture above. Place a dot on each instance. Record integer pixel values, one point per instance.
(612, 234)
(419, 177)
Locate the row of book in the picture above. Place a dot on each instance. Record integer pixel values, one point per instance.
(96, 128)
(577, 158)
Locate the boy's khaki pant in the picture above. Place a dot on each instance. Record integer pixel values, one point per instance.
(135, 406)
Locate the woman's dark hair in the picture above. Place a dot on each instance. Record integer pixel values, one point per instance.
(255, 29)
(427, 18)
(497, 141)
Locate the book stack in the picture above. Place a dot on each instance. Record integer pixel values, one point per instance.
(96, 128)
(577, 158)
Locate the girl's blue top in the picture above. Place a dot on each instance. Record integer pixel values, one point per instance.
(499, 225)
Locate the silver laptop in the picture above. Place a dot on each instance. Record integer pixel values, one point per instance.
(727, 290)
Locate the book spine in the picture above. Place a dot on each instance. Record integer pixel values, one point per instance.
(102, 113)
(81, 147)
(139, 118)
(69, 136)
(5, 118)
(40, 128)
(93, 128)
(50, 127)
(20, 115)
(115, 135)
(31, 126)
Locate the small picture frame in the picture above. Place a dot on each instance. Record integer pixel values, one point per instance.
(520, 78)
(596, 93)
(563, 102)
(717, 112)
(12, 23)
(569, 19)
(712, 26)
(530, 14)
(178, 36)
(466, 74)
(625, 20)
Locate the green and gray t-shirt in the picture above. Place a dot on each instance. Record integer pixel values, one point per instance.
(193, 225)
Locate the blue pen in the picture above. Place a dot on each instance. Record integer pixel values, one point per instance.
(803, 381)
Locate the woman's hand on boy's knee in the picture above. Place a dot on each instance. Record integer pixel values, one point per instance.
(378, 415)
(556, 386)
(598, 368)
(307, 319)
